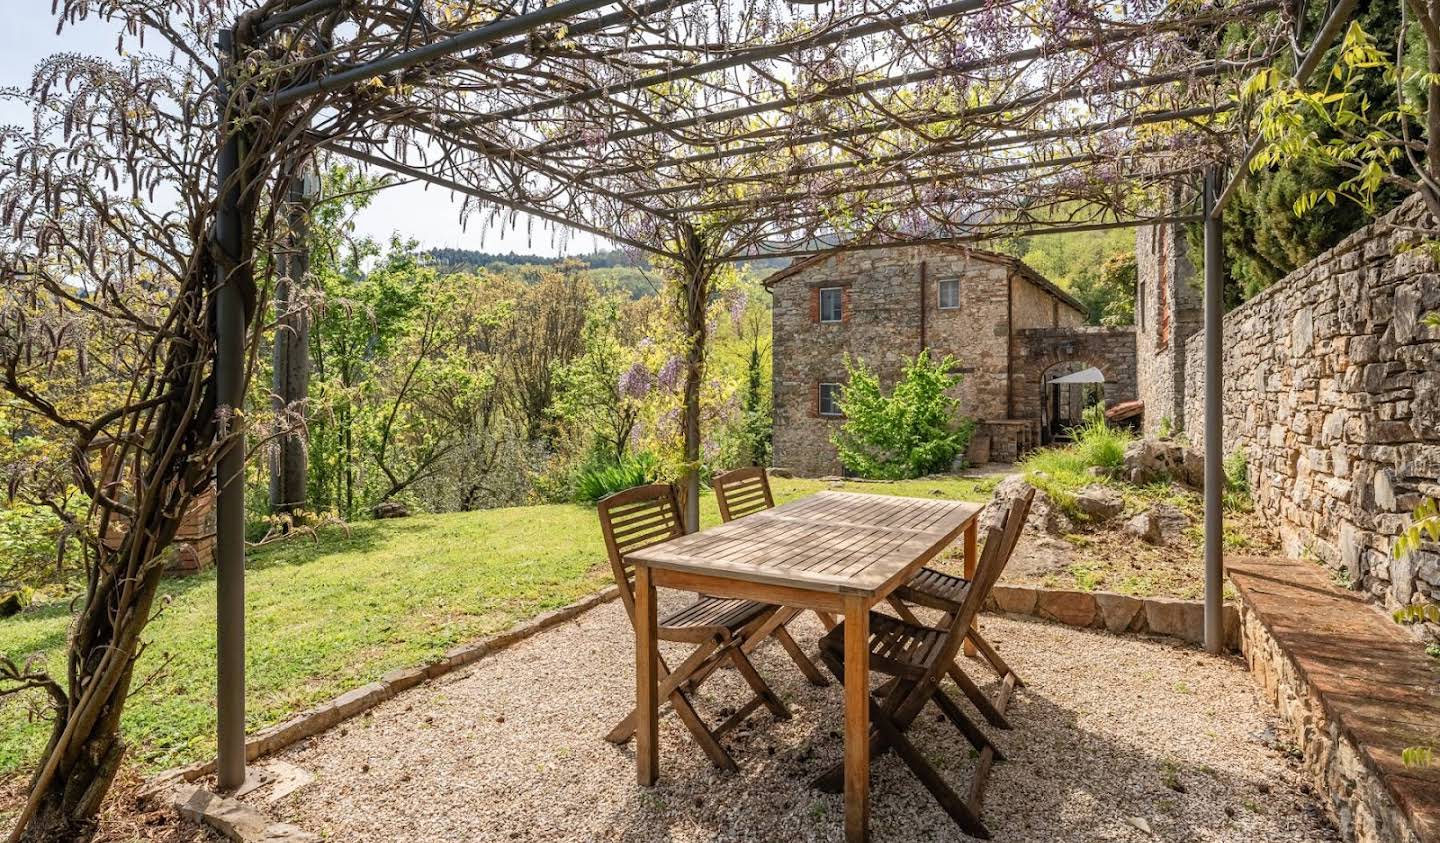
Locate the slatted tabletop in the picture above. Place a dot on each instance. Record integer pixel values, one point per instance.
(831, 541)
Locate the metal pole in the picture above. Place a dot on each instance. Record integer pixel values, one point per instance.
(1214, 420)
(229, 373)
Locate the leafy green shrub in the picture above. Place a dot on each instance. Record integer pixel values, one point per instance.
(1100, 443)
(1062, 472)
(1237, 472)
(30, 549)
(595, 481)
(917, 429)
(1237, 482)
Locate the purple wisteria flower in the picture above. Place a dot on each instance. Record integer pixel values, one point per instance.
(669, 375)
(636, 382)
(737, 309)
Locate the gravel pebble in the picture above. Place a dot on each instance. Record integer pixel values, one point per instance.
(1109, 730)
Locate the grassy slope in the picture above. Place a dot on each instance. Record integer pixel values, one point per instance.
(327, 617)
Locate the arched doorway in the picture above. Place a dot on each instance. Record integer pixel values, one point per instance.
(1067, 389)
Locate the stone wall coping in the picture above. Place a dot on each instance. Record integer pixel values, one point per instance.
(1350, 678)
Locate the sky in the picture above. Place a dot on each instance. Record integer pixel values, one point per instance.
(430, 216)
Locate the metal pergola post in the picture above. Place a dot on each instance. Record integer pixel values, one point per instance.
(229, 374)
(1214, 419)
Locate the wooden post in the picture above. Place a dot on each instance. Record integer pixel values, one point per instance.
(971, 556)
(647, 703)
(290, 383)
(857, 721)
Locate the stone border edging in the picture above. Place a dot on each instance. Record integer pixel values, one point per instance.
(315, 720)
(233, 819)
(1115, 613)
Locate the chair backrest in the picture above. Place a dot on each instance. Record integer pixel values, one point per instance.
(741, 492)
(633, 519)
(999, 545)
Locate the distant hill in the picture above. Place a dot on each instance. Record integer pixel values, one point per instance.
(461, 259)
(634, 275)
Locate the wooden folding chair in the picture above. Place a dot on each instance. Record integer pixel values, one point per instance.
(745, 491)
(719, 627)
(944, 592)
(917, 658)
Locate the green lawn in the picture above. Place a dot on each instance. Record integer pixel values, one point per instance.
(330, 616)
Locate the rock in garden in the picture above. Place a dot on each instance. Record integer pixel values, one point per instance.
(12, 602)
(1099, 503)
(1156, 460)
(390, 509)
(1173, 522)
(1145, 527)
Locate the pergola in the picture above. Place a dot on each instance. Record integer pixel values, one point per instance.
(701, 132)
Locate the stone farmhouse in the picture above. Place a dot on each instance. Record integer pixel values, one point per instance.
(1007, 325)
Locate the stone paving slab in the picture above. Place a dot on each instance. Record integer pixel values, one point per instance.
(1373, 681)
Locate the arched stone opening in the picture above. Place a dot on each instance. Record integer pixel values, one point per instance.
(1043, 353)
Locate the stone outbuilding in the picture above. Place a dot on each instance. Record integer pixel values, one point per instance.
(884, 306)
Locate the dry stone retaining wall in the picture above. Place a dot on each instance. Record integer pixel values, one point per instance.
(1332, 391)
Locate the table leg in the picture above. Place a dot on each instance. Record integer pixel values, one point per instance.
(857, 722)
(971, 557)
(647, 703)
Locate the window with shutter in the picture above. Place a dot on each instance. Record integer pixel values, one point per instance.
(832, 304)
(948, 291)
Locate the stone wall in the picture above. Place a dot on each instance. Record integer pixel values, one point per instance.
(1353, 794)
(1332, 391)
(883, 327)
(1168, 310)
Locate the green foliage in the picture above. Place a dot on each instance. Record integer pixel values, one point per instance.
(1099, 443)
(1097, 268)
(917, 429)
(1264, 237)
(1237, 481)
(596, 481)
(1424, 524)
(1062, 472)
(30, 544)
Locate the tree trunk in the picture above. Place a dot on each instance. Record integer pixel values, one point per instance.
(698, 269)
(289, 467)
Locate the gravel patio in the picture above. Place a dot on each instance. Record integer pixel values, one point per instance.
(1116, 738)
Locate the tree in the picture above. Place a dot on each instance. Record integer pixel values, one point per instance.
(1264, 238)
(1373, 119)
(362, 320)
(917, 429)
(544, 335)
(601, 390)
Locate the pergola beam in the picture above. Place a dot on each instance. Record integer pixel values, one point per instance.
(891, 82)
(822, 39)
(479, 37)
(1039, 231)
(1026, 101)
(918, 179)
(485, 195)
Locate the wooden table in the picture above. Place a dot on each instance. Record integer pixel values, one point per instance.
(834, 552)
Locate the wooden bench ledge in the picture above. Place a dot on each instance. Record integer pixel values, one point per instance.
(1372, 680)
